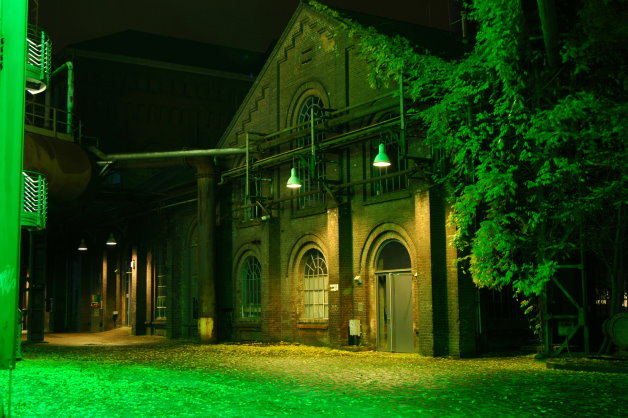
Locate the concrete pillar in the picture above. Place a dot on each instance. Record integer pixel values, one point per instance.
(206, 207)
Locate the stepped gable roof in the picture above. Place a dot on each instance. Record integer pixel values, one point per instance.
(438, 42)
(152, 47)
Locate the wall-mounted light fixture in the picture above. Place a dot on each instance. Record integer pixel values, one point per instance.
(381, 159)
(293, 182)
(111, 241)
(82, 246)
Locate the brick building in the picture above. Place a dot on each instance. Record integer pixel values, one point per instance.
(357, 254)
(217, 247)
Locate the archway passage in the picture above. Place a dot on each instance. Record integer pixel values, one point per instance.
(395, 324)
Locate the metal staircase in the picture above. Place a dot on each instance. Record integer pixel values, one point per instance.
(35, 201)
(38, 60)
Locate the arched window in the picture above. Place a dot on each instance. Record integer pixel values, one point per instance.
(310, 171)
(393, 256)
(250, 288)
(315, 285)
(312, 104)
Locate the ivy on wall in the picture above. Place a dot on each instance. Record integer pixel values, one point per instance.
(531, 124)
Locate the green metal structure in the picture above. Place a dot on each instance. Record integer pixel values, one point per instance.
(34, 208)
(13, 21)
(38, 60)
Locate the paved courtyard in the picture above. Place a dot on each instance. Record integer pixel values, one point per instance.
(116, 375)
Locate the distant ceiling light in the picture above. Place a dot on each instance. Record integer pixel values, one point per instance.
(82, 246)
(294, 182)
(381, 159)
(111, 241)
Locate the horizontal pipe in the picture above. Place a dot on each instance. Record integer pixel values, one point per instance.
(173, 154)
(361, 134)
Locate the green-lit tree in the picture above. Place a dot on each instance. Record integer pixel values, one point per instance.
(532, 127)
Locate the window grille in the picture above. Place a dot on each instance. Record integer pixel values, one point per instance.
(309, 180)
(391, 184)
(315, 286)
(250, 288)
(160, 297)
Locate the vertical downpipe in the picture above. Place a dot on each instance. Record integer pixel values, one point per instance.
(70, 93)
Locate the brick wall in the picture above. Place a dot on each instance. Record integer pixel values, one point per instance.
(350, 230)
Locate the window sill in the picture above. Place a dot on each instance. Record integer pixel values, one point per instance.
(387, 197)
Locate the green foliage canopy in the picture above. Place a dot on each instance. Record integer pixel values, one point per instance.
(536, 157)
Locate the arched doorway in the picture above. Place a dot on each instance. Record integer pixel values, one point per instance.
(395, 325)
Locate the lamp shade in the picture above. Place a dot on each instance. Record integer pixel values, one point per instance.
(381, 159)
(294, 182)
(111, 241)
(82, 246)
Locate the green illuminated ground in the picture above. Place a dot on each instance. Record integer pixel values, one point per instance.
(182, 379)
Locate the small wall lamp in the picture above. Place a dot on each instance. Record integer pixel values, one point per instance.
(82, 246)
(381, 159)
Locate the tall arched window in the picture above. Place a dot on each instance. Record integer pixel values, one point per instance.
(250, 288)
(315, 285)
(312, 104)
(310, 171)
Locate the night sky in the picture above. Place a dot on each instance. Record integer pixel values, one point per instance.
(246, 24)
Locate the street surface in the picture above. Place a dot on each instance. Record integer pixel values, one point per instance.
(115, 375)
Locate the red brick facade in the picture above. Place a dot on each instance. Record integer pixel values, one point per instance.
(355, 222)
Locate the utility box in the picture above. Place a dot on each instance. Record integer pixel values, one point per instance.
(354, 332)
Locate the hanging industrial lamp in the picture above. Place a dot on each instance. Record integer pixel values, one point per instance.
(82, 246)
(294, 182)
(111, 241)
(381, 159)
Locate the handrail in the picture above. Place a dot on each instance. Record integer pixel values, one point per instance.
(344, 138)
(51, 119)
(297, 130)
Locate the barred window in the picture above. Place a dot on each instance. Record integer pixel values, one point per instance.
(160, 297)
(250, 288)
(391, 184)
(315, 284)
(309, 179)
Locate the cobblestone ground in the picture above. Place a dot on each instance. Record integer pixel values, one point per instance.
(172, 378)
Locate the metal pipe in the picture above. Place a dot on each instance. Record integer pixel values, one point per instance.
(360, 134)
(402, 119)
(70, 97)
(174, 154)
(312, 165)
(246, 184)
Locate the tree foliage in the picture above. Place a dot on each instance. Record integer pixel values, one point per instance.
(536, 155)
